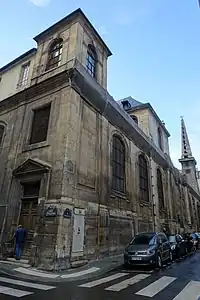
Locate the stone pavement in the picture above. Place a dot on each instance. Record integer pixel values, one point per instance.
(22, 269)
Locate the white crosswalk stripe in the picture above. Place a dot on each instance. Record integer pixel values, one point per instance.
(103, 280)
(190, 291)
(124, 284)
(157, 286)
(6, 290)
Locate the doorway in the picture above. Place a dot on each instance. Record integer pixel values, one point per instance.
(28, 215)
(78, 232)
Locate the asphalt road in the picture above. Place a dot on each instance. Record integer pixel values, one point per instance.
(179, 281)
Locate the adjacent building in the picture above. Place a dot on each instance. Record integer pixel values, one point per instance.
(82, 172)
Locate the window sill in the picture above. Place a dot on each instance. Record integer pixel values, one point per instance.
(35, 146)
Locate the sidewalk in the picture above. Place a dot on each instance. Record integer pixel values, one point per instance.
(21, 269)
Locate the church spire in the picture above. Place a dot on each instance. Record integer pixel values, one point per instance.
(186, 149)
(187, 161)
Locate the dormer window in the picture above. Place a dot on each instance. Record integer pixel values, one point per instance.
(126, 104)
(55, 54)
(135, 119)
(91, 62)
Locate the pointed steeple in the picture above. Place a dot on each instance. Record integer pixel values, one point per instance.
(186, 149)
(187, 161)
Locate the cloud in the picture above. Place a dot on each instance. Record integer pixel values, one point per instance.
(40, 3)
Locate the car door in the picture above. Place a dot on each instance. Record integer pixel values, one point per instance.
(181, 244)
(160, 247)
(165, 246)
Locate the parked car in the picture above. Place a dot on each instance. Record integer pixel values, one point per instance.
(178, 245)
(148, 249)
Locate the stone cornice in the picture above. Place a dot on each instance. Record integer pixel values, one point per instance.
(34, 91)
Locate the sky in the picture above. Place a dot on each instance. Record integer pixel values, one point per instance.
(155, 46)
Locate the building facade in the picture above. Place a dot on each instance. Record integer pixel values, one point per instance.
(80, 171)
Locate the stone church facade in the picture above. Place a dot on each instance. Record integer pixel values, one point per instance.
(82, 172)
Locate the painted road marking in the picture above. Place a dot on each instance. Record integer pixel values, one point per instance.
(35, 273)
(27, 284)
(157, 286)
(13, 292)
(103, 280)
(191, 291)
(124, 284)
(81, 273)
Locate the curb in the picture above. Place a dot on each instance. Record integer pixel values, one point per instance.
(10, 271)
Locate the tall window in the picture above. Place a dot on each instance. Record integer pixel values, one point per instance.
(40, 125)
(118, 164)
(23, 78)
(2, 129)
(160, 142)
(144, 178)
(160, 189)
(55, 54)
(91, 61)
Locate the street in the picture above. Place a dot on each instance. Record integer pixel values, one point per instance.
(179, 281)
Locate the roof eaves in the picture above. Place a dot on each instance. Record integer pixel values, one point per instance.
(69, 18)
(13, 62)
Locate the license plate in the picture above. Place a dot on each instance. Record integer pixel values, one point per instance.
(136, 258)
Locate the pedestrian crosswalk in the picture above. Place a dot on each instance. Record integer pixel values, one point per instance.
(147, 285)
(19, 288)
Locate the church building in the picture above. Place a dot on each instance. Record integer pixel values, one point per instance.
(82, 172)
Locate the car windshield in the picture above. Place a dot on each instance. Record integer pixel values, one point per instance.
(172, 239)
(144, 239)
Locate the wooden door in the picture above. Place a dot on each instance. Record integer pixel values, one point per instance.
(28, 215)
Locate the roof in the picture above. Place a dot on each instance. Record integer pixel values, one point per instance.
(16, 60)
(132, 101)
(68, 19)
(136, 105)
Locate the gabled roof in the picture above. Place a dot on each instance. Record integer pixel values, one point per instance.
(136, 105)
(16, 60)
(69, 18)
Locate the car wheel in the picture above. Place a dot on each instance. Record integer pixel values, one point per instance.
(159, 262)
(126, 265)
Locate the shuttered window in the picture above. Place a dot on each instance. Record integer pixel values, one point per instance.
(40, 125)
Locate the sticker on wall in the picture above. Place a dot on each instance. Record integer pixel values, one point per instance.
(51, 211)
(67, 213)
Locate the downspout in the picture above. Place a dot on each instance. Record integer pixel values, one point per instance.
(152, 195)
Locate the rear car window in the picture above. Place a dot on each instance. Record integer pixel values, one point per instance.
(144, 239)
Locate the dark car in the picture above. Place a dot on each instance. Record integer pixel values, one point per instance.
(148, 249)
(178, 245)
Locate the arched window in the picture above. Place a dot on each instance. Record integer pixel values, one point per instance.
(143, 178)
(160, 144)
(160, 189)
(118, 164)
(91, 63)
(2, 130)
(54, 55)
(135, 119)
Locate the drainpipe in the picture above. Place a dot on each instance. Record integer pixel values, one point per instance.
(152, 195)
